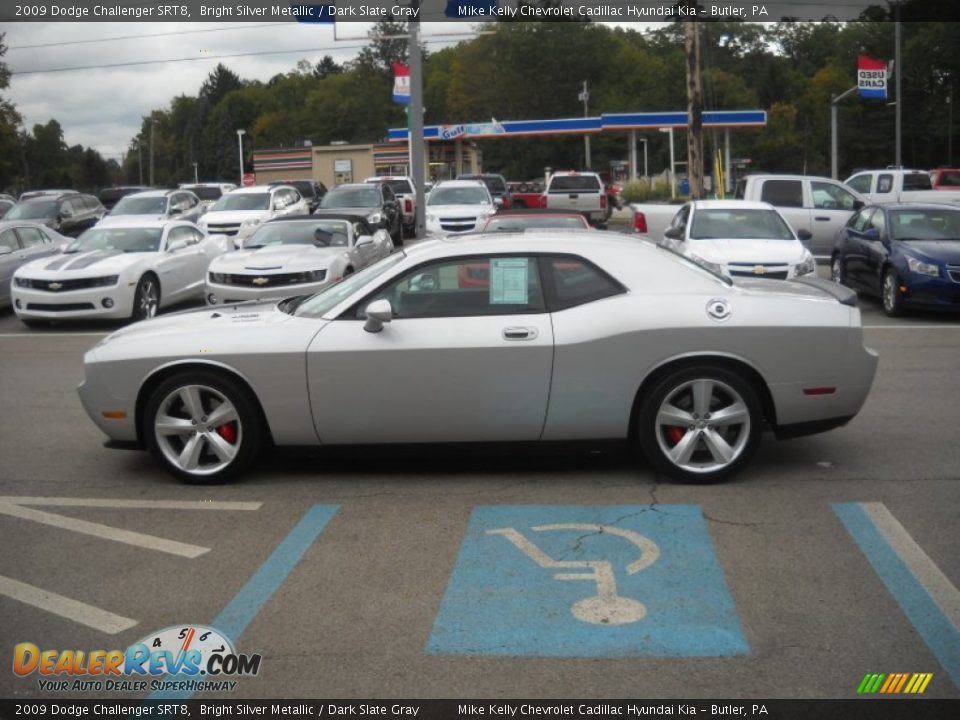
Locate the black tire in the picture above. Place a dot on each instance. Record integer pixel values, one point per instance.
(837, 271)
(247, 434)
(146, 299)
(890, 295)
(727, 388)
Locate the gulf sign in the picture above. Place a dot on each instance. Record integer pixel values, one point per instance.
(871, 77)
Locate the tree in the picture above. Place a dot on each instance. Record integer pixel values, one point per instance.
(219, 82)
(10, 154)
(326, 67)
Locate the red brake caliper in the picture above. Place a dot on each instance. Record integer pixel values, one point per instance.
(228, 432)
(675, 434)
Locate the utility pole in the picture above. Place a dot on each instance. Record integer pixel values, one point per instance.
(834, 99)
(151, 151)
(694, 110)
(416, 121)
(585, 96)
(899, 70)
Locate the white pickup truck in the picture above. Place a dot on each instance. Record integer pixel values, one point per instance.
(897, 186)
(579, 192)
(818, 205)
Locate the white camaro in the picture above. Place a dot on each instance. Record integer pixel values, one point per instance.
(296, 256)
(740, 239)
(127, 270)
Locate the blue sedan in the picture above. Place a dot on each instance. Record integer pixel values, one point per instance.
(908, 255)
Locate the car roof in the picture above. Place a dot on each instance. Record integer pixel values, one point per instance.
(146, 222)
(259, 189)
(539, 240)
(537, 212)
(914, 206)
(153, 193)
(731, 205)
(460, 183)
(354, 185)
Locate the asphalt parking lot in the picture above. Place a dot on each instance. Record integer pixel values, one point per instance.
(415, 574)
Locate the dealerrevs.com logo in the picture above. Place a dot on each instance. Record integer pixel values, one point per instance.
(177, 658)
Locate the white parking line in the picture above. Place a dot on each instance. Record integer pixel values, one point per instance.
(911, 327)
(140, 504)
(943, 592)
(75, 610)
(52, 334)
(106, 532)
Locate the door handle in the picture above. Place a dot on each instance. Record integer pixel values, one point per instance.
(822, 219)
(519, 333)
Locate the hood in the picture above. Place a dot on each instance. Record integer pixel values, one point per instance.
(748, 251)
(454, 211)
(123, 219)
(276, 258)
(82, 264)
(233, 216)
(945, 251)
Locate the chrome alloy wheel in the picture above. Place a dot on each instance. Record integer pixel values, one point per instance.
(890, 293)
(148, 299)
(703, 425)
(836, 270)
(198, 429)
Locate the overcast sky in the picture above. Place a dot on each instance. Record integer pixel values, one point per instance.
(102, 107)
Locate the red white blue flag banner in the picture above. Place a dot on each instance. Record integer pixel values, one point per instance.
(401, 84)
(871, 77)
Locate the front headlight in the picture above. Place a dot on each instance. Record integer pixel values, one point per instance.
(375, 218)
(21, 282)
(313, 276)
(712, 266)
(250, 223)
(923, 268)
(807, 266)
(216, 277)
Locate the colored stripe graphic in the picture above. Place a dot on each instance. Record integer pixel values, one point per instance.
(926, 596)
(894, 683)
(251, 598)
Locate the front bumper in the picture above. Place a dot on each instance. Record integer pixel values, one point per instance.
(116, 417)
(222, 294)
(931, 293)
(73, 304)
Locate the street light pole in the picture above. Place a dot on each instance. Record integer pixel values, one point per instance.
(196, 177)
(834, 99)
(240, 134)
(673, 179)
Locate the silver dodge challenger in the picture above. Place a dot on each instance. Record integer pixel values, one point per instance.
(535, 336)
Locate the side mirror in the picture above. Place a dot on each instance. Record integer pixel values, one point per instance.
(378, 312)
(804, 234)
(4, 250)
(174, 211)
(364, 240)
(176, 245)
(674, 233)
(872, 234)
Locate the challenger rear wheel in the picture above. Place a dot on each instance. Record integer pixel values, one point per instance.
(700, 424)
(203, 427)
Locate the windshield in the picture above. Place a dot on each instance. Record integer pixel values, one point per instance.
(326, 233)
(521, 222)
(320, 304)
(128, 240)
(739, 224)
(459, 196)
(925, 224)
(132, 205)
(351, 197)
(32, 210)
(574, 183)
(205, 193)
(243, 201)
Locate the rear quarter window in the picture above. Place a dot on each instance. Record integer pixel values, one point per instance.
(574, 183)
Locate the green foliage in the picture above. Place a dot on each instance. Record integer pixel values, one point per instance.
(645, 190)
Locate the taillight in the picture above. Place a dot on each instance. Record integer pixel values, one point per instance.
(506, 203)
(639, 222)
(603, 202)
(408, 206)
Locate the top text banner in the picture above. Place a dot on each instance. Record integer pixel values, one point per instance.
(428, 11)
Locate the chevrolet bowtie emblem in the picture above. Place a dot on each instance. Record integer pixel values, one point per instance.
(759, 270)
(54, 286)
(261, 281)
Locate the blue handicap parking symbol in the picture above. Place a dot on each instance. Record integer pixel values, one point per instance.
(576, 581)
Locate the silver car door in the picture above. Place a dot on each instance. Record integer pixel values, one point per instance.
(177, 266)
(467, 357)
(833, 205)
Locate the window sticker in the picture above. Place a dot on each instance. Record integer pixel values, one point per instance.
(508, 281)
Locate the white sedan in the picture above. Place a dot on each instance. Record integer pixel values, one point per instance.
(128, 270)
(740, 239)
(296, 256)
(458, 206)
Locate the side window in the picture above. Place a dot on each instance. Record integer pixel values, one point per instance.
(860, 183)
(680, 219)
(293, 197)
(181, 233)
(859, 221)
(827, 196)
(70, 207)
(9, 239)
(474, 286)
(30, 237)
(878, 222)
(572, 281)
(198, 235)
(783, 193)
(885, 183)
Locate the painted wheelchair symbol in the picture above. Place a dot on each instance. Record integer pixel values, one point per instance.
(607, 607)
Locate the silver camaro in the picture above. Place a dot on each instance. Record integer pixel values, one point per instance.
(519, 337)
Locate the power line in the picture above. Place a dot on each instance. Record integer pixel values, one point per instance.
(141, 37)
